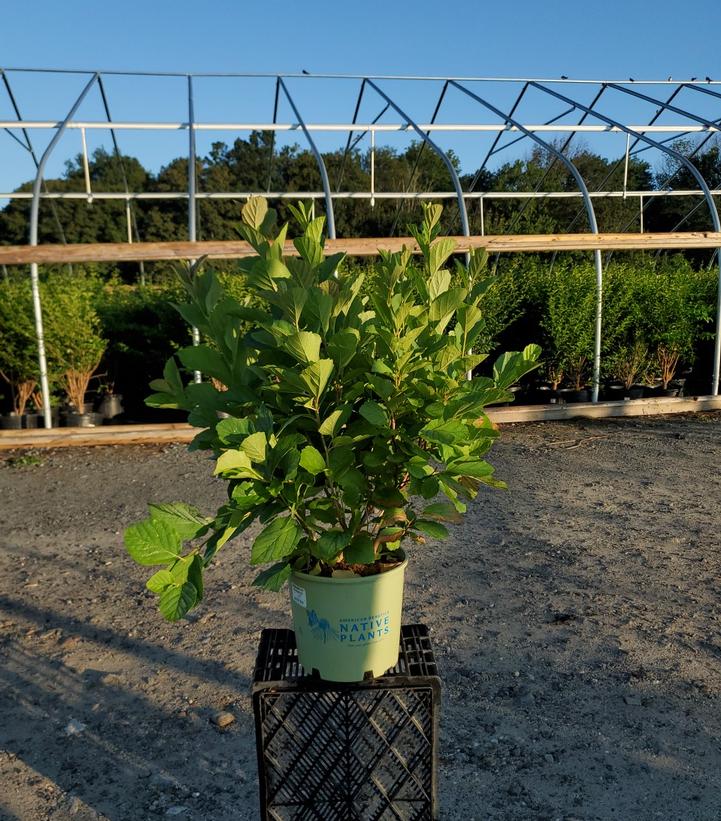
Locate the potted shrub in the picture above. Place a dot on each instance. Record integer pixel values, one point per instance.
(111, 403)
(570, 320)
(347, 417)
(628, 365)
(18, 348)
(675, 310)
(74, 340)
(569, 325)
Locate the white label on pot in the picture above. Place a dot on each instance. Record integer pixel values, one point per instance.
(299, 595)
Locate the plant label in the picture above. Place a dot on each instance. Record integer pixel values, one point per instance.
(299, 595)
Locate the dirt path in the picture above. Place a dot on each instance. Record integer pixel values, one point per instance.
(576, 620)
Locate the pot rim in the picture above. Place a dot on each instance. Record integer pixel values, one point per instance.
(351, 580)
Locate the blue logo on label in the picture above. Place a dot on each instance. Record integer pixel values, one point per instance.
(320, 628)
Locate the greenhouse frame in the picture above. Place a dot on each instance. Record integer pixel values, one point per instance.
(647, 115)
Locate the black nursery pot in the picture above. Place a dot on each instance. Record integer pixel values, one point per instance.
(32, 420)
(83, 420)
(11, 421)
(615, 391)
(584, 395)
(111, 406)
(541, 394)
(635, 392)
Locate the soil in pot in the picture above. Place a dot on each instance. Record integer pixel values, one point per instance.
(348, 628)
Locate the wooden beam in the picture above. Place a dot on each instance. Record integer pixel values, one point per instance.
(157, 434)
(361, 246)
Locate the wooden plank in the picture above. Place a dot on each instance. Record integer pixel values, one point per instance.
(360, 246)
(183, 433)
(587, 410)
(105, 435)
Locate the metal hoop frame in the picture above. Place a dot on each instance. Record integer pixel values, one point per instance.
(692, 122)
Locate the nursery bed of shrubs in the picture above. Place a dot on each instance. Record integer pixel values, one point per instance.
(106, 339)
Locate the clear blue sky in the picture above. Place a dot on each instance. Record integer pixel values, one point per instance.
(547, 39)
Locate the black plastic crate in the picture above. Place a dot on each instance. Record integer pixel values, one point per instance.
(347, 752)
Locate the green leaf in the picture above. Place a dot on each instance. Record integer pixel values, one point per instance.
(312, 460)
(232, 431)
(512, 365)
(179, 570)
(159, 581)
(254, 447)
(360, 550)
(374, 413)
(237, 463)
(389, 498)
(333, 423)
(442, 512)
(418, 467)
(438, 284)
(330, 544)
(476, 469)
(152, 541)
(438, 254)
(276, 541)
(443, 307)
(175, 601)
(206, 360)
(162, 400)
(309, 249)
(383, 387)
(316, 377)
(342, 346)
(304, 346)
(254, 212)
(445, 432)
(184, 519)
(273, 577)
(172, 376)
(195, 575)
(434, 529)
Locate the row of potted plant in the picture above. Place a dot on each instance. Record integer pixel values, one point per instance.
(657, 318)
(74, 347)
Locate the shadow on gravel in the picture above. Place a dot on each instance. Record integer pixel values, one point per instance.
(149, 652)
(105, 749)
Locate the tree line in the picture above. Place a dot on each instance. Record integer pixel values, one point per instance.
(256, 164)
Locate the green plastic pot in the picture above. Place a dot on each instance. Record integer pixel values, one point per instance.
(348, 629)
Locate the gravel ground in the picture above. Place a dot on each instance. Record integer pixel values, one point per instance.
(575, 620)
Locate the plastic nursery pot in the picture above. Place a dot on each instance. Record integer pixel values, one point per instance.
(11, 421)
(348, 629)
(82, 420)
(32, 420)
(615, 391)
(111, 406)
